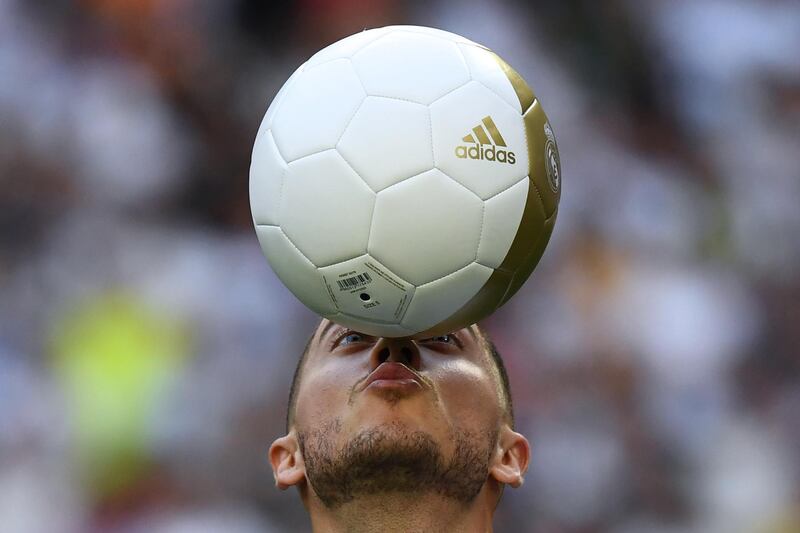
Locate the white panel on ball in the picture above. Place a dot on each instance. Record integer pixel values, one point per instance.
(439, 299)
(316, 111)
(501, 217)
(346, 47)
(266, 176)
(377, 329)
(326, 208)
(365, 288)
(294, 269)
(410, 66)
(387, 141)
(484, 69)
(425, 227)
(496, 157)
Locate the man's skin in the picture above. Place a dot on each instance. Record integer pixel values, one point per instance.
(426, 454)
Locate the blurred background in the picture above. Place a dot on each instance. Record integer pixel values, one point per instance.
(146, 347)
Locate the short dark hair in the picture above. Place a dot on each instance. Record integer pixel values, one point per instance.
(488, 346)
(491, 349)
(296, 383)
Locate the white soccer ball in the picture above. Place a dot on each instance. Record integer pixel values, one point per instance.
(404, 182)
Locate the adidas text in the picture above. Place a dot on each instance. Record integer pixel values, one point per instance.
(489, 153)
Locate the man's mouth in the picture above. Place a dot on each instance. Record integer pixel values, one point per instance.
(393, 376)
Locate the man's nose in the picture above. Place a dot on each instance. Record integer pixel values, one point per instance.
(402, 350)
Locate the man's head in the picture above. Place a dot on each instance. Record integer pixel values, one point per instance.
(371, 415)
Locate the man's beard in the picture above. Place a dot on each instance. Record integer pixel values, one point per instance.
(389, 458)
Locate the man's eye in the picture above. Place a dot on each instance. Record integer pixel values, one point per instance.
(350, 338)
(447, 339)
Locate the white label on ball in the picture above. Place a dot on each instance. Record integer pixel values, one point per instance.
(363, 287)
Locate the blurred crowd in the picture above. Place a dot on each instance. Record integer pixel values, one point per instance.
(146, 347)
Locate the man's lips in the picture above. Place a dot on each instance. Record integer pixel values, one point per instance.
(391, 374)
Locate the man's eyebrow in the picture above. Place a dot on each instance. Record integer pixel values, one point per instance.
(325, 329)
(472, 332)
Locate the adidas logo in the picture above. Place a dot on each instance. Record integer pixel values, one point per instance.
(485, 146)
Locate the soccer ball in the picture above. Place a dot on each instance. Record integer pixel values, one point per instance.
(404, 182)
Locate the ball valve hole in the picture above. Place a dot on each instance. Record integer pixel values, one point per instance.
(364, 297)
